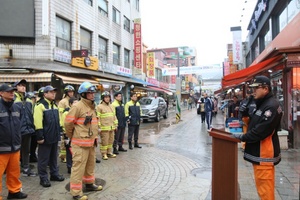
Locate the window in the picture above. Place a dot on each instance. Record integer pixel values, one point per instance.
(126, 24)
(63, 34)
(116, 54)
(158, 74)
(86, 40)
(116, 16)
(103, 7)
(137, 5)
(90, 2)
(102, 51)
(126, 58)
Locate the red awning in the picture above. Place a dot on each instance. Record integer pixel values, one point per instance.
(159, 89)
(248, 73)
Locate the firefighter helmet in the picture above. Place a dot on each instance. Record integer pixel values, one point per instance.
(86, 87)
(105, 94)
(69, 88)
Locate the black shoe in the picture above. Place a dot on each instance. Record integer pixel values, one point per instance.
(122, 149)
(130, 145)
(93, 187)
(28, 172)
(98, 161)
(33, 159)
(57, 178)
(136, 145)
(45, 183)
(18, 195)
(115, 151)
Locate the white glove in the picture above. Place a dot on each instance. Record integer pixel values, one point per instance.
(238, 136)
(67, 141)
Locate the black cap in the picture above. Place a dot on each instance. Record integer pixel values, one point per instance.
(23, 81)
(260, 81)
(49, 88)
(7, 87)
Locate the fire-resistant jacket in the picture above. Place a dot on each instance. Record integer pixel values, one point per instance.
(10, 127)
(107, 116)
(120, 113)
(81, 133)
(63, 104)
(262, 143)
(47, 122)
(133, 112)
(27, 124)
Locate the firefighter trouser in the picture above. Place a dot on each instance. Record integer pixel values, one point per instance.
(10, 162)
(265, 183)
(107, 139)
(133, 130)
(119, 137)
(82, 169)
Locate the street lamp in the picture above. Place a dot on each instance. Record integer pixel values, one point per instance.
(178, 87)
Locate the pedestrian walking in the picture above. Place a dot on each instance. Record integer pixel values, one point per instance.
(262, 142)
(133, 117)
(108, 123)
(62, 105)
(190, 103)
(202, 109)
(81, 125)
(120, 131)
(48, 129)
(10, 143)
(66, 140)
(209, 107)
(27, 125)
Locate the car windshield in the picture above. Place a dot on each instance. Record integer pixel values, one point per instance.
(145, 101)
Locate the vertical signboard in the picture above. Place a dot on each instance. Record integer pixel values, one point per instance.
(137, 43)
(150, 66)
(237, 45)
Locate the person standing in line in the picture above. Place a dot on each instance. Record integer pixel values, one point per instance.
(10, 143)
(233, 109)
(66, 140)
(133, 113)
(208, 107)
(81, 125)
(202, 109)
(33, 144)
(262, 142)
(48, 129)
(120, 132)
(62, 105)
(27, 125)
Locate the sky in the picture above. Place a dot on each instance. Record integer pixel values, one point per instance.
(203, 24)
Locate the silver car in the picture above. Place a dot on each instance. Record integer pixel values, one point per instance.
(153, 108)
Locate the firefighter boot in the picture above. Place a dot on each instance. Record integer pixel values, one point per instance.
(130, 145)
(116, 151)
(93, 187)
(104, 156)
(136, 145)
(111, 155)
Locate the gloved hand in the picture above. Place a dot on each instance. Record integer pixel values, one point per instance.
(67, 141)
(238, 136)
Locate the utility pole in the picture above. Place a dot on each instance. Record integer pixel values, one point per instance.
(178, 88)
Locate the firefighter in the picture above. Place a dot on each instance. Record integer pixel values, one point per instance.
(81, 126)
(48, 129)
(107, 123)
(62, 105)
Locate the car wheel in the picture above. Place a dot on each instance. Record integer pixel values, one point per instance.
(166, 114)
(145, 120)
(157, 117)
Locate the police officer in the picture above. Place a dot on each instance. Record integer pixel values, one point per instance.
(27, 127)
(81, 125)
(10, 143)
(48, 129)
(262, 142)
(120, 132)
(62, 105)
(107, 123)
(133, 117)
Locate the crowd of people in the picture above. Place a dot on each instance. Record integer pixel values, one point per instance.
(32, 126)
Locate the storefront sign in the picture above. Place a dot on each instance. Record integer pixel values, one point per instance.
(85, 62)
(293, 60)
(114, 69)
(259, 10)
(137, 43)
(117, 88)
(151, 64)
(62, 55)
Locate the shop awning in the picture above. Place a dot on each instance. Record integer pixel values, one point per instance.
(29, 77)
(110, 82)
(248, 73)
(75, 80)
(150, 88)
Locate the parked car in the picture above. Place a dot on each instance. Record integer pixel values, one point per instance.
(153, 108)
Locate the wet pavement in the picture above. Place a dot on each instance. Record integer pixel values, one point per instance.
(174, 163)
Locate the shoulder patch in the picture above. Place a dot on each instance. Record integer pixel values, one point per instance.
(268, 113)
